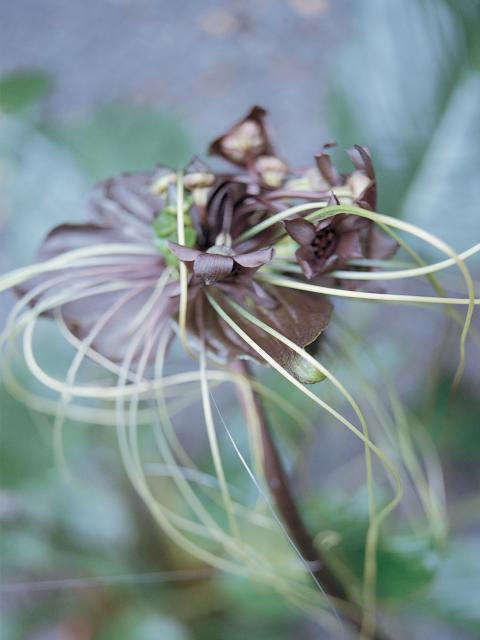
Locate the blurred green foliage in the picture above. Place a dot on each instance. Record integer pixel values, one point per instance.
(408, 86)
(22, 89)
(119, 138)
(453, 423)
(407, 564)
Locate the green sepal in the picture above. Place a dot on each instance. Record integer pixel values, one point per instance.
(164, 225)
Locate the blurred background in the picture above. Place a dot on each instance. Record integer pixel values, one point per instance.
(89, 89)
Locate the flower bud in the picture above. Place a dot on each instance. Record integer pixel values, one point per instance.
(272, 170)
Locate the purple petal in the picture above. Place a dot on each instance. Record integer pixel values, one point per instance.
(380, 245)
(115, 335)
(310, 264)
(185, 254)
(326, 168)
(127, 203)
(212, 267)
(299, 316)
(302, 231)
(362, 160)
(255, 258)
(67, 237)
(349, 246)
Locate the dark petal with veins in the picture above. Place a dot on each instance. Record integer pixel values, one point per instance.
(116, 334)
(78, 291)
(67, 237)
(308, 261)
(349, 246)
(255, 259)
(299, 316)
(212, 267)
(362, 160)
(185, 254)
(127, 203)
(327, 169)
(380, 245)
(302, 231)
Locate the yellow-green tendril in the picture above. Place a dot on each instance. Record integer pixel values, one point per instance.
(322, 211)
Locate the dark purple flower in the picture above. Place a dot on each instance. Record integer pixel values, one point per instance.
(136, 273)
(326, 245)
(330, 243)
(361, 183)
(221, 263)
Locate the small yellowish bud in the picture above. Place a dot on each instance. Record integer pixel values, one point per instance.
(198, 180)
(160, 186)
(358, 182)
(272, 170)
(247, 137)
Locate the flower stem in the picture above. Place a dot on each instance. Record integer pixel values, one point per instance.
(280, 488)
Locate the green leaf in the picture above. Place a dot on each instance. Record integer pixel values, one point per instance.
(143, 625)
(406, 564)
(25, 451)
(408, 86)
(453, 424)
(455, 594)
(22, 89)
(164, 225)
(42, 186)
(116, 139)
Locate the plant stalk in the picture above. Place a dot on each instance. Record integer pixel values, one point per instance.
(280, 488)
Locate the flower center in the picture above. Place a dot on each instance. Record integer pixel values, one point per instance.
(325, 243)
(221, 250)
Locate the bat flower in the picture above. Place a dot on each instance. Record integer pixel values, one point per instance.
(326, 245)
(132, 275)
(359, 185)
(224, 274)
(331, 243)
(221, 263)
(230, 232)
(212, 257)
